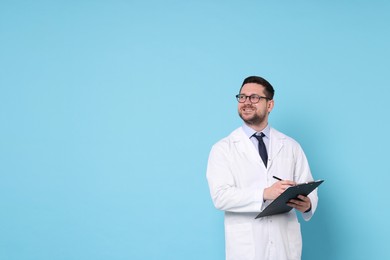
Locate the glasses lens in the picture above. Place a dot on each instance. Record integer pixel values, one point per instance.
(241, 98)
(254, 98)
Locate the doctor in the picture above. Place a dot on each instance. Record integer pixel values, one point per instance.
(240, 178)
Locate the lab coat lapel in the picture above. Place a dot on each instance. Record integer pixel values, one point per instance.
(275, 145)
(245, 146)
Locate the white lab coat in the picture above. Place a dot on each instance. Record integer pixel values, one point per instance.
(237, 178)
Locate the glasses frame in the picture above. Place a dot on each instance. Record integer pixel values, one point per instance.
(250, 98)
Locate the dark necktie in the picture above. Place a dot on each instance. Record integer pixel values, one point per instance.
(262, 149)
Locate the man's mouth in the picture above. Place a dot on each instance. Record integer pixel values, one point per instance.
(248, 109)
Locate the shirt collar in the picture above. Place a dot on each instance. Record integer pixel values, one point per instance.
(249, 131)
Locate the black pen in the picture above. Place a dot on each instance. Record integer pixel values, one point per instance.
(279, 179)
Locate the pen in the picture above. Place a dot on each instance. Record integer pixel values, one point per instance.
(279, 179)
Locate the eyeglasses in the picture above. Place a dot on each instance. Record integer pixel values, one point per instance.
(241, 98)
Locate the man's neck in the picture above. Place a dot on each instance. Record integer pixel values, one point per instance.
(258, 128)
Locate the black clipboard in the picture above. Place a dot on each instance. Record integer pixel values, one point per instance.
(279, 206)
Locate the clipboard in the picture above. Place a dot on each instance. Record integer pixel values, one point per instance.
(279, 206)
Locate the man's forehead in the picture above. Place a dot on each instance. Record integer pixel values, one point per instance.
(253, 87)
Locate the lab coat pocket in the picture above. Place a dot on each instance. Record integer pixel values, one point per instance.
(239, 242)
(294, 240)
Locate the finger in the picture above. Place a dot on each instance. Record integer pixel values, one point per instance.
(291, 205)
(300, 203)
(287, 182)
(286, 186)
(294, 205)
(303, 198)
(296, 202)
(297, 207)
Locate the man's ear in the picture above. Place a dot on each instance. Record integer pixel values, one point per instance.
(270, 105)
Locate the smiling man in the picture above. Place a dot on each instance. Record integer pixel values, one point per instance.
(240, 175)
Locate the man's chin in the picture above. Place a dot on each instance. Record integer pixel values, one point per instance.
(250, 120)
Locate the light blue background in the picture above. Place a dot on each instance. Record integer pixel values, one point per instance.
(109, 109)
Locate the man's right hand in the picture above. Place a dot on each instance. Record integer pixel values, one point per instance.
(276, 189)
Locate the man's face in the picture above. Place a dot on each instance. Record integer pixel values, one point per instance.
(255, 114)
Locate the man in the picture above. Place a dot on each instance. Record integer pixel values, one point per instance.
(240, 175)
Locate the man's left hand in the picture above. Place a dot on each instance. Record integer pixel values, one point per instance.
(302, 204)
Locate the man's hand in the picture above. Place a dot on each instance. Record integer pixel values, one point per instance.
(302, 204)
(276, 189)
